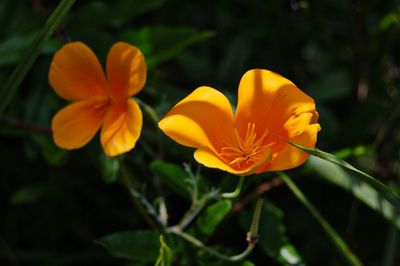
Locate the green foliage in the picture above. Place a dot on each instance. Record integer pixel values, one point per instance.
(362, 190)
(28, 194)
(9, 89)
(53, 154)
(113, 14)
(213, 216)
(339, 243)
(135, 245)
(172, 175)
(390, 195)
(109, 168)
(273, 236)
(161, 43)
(54, 203)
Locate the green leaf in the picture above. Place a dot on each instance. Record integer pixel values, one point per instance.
(29, 194)
(273, 239)
(213, 216)
(17, 76)
(384, 190)
(54, 155)
(361, 190)
(390, 19)
(339, 243)
(160, 43)
(135, 245)
(171, 175)
(12, 48)
(289, 256)
(109, 167)
(165, 258)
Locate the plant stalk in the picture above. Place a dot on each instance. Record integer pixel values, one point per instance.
(236, 192)
(341, 246)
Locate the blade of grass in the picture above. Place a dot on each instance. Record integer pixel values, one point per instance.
(391, 246)
(384, 190)
(25, 63)
(361, 190)
(342, 247)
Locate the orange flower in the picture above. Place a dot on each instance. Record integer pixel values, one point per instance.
(247, 142)
(98, 101)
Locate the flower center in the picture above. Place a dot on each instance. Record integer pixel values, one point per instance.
(100, 103)
(249, 150)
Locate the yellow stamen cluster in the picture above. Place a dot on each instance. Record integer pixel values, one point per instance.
(248, 149)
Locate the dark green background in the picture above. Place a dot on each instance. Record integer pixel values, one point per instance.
(54, 204)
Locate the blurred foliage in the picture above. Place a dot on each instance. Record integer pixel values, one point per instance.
(56, 206)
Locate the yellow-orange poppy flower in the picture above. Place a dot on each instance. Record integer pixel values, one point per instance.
(246, 142)
(98, 101)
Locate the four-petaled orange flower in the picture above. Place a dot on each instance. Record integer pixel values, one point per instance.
(98, 101)
(246, 142)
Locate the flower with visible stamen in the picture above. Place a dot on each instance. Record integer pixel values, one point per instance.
(246, 142)
(98, 101)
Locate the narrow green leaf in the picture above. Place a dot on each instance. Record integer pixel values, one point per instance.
(161, 43)
(111, 13)
(13, 48)
(12, 84)
(341, 246)
(213, 216)
(361, 190)
(165, 258)
(171, 175)
(384, 190)
(136, 245)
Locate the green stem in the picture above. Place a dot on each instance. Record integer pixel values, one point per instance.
(253, 232)
(26, 62)
(236, 192)
(252, 237)
(195, 209)
(141, 204)
(334, 237)
(190, 215)
(147, 211)
(177, 231)
(391, 246)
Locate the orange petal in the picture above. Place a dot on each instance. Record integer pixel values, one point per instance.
(121, 129)
(209, 159)
(76, 74)
(76, 124)
(203, 119)
(268, 100)
(302, 116)
(126, 70)
(289, 156)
